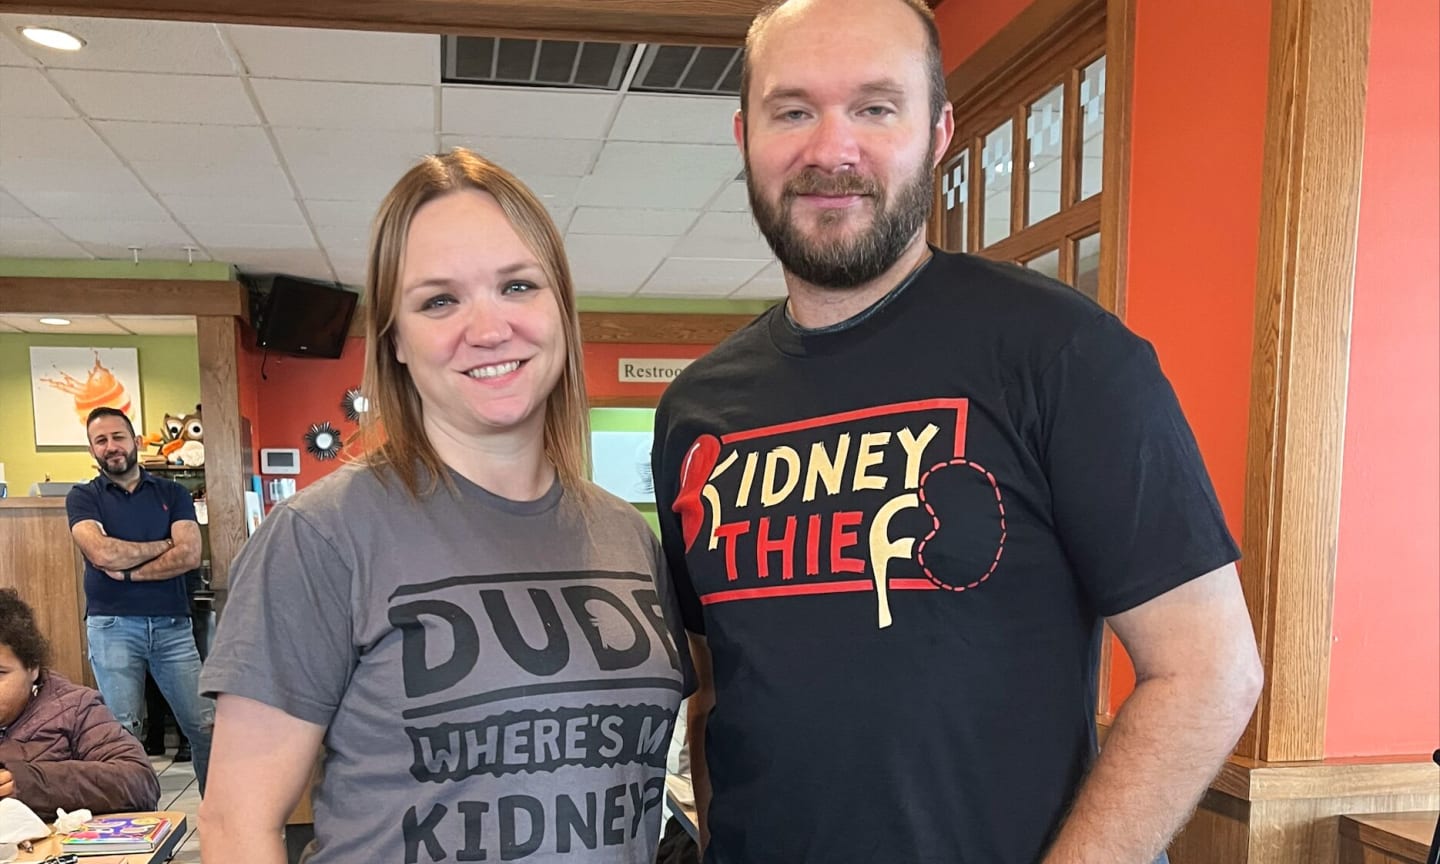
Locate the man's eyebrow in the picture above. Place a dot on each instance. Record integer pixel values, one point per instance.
(881, 87)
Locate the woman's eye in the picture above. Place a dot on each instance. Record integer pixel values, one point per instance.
(518, 287)
(436, 302)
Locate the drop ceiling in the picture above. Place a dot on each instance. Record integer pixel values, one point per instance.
(269, 148)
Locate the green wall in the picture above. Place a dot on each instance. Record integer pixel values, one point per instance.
(169, 382)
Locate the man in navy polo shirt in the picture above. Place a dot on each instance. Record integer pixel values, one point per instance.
(139, 537)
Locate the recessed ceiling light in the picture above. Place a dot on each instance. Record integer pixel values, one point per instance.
(52, 38)
(56, 322)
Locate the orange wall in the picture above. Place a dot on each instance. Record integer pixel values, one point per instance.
(965, 25)
(1385, 659)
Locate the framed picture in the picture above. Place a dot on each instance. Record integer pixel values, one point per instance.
(620, 441)
(68, 383)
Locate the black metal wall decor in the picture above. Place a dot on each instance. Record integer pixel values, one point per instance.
(323, 441)
(354, 404)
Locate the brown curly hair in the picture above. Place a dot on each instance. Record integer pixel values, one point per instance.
(19, 631)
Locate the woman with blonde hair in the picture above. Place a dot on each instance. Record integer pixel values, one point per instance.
(477, 641)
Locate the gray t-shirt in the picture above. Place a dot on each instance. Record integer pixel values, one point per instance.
(498, 679)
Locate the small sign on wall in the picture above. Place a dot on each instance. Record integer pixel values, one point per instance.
(649, 370)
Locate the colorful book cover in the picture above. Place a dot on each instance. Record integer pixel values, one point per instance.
(117, 835)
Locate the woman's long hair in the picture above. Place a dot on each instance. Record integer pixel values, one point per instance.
(392, 432)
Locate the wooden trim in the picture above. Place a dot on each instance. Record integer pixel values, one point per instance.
(624, 401)
(217, 343)
(1251, 780)
(41, 295)
(721, 22)
(1071, 142)
(1115, 176)
(654, 328)
(1082, 219)
(1304, 285)
(1030, 38)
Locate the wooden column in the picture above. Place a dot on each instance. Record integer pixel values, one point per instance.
(225, 469)
(1310, 209)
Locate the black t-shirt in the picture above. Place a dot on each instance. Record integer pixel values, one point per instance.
(900, 539)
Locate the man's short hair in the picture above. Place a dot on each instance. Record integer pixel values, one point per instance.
(934, 64)
(107, 411)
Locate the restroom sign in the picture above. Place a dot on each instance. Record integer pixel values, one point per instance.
(646, 370)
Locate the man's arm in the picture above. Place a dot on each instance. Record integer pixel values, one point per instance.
(697, 714)
(182, 557)
(1197, 678)
(108, 553)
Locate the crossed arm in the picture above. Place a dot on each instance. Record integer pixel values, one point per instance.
(147, 561)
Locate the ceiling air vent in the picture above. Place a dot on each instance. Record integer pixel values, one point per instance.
(689, 69)
(534, 63)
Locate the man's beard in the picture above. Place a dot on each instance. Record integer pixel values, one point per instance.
(843, 264)
(130, 459)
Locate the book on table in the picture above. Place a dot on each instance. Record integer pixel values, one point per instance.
(117, 835)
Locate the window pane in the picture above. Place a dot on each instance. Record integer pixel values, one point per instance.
(1087, 265)
(1092, 128)
(1047, 263)
(996, 160)
(1043, 128)
(955, 192)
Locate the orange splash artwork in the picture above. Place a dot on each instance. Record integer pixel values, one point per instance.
(100, 388)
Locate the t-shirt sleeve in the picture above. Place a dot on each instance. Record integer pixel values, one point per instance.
(182, 506)
(81, 505)
(665, 472)
(285, 637)
(1132, 501)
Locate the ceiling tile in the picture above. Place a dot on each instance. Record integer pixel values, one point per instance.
(688, 193)
(607, 220)
(723, 235)
(242, 209)
(306, 263)
(330, 105)
(525, 113)
(342, 213)
(701, 277)
(153, 252)
(343, 237)
(79, 203)
(38, 138)
(609, 263)
(228, 146)
(769, 282)
(124, 233)
(34, 238)
(156, 325)
(80, 325)
(355, 148)
(10, 53)
(187, 178)
(554, 191)
(337, 55)
(640, 161)
(231, 234)
(157, 98)
(13, 209)
(132, 45)
(679, 119)
(27, 93)
(735, 199)
(560, 157)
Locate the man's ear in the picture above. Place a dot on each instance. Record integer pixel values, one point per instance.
(739, 130)
(944, 131)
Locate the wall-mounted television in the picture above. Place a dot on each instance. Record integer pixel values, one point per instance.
(301, 316)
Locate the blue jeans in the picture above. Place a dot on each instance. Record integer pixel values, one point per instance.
(123, 646)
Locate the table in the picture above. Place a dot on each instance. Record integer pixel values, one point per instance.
(51, 845)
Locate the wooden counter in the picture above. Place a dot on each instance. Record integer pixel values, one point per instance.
(39, 560)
